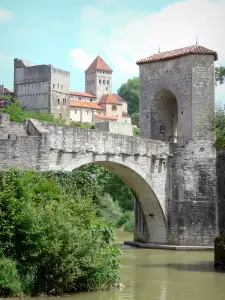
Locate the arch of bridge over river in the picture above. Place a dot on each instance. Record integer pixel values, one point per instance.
(141, 163)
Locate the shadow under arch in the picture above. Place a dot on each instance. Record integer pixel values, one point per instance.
(164, 116)
(140, 185)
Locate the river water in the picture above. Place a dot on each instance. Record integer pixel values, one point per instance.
(162, 275)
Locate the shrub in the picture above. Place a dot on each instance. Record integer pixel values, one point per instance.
(9, 278)
(18, 114)
(56, 239)
(136, 131)
(76, 124)
(127, 221)
(109, 209)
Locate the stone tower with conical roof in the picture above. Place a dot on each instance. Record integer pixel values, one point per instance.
(98, 78)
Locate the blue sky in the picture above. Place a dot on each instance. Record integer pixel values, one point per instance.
(69, 34)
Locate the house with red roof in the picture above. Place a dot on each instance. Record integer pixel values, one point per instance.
(98, 90)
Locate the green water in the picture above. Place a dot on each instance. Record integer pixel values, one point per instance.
(162, 275)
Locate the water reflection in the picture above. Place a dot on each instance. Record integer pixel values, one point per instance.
(162, 275)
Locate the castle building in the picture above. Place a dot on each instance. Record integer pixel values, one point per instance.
(42, 87)
(98, 103)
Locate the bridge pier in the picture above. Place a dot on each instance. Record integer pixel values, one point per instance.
(140, 227)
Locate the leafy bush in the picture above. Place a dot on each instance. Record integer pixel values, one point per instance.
(18, 114)
(109, 209)
(127, 221)
(76, 124)
(136, 131)
(83, 125)
(9, 278)
(55, 238)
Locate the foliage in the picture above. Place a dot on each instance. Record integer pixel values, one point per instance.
(54, 236)
(219, 126)
(130, 92)
(127, 221)
(220, 74)
(18, 114)
(135, 119)
(136, 131)
(83, 125)
(9, 278)
(109, 209)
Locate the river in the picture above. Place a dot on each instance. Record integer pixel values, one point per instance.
(162, 275)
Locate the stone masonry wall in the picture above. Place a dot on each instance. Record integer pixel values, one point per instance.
(192, 200)
(221, 190)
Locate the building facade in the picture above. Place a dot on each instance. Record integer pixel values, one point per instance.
(98, 90)
(42, 87)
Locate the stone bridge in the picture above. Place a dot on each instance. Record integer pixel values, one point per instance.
(141, 163)
(171, 169)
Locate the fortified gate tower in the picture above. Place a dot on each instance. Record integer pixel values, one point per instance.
(177, 106)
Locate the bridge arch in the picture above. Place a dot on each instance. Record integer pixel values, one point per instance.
(141, 186)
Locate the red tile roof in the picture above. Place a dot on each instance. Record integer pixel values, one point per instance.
(196, 49)
(87, 104)
(106, 117)
(120, 98)
(99, 64)
(109, 98)
(82, 94)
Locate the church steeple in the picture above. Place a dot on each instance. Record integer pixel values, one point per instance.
(98, 64)
(98, 78)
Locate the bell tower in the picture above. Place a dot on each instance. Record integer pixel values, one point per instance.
(98, 78)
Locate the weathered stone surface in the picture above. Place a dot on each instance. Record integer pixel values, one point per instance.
(177, 105)
(60, 147)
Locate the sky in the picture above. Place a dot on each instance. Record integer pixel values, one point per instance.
(69, 34)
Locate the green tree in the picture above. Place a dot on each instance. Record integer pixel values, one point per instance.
(54, 237)
(220, 75)
(130, 92)
(135, 119)
(219, 127)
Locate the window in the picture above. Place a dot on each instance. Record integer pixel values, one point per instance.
(53, 85)
(103, 81)
(79, 98)
(162, 129)
(87, 112)
(114, 107)
(93, 81)
(106, 88)
(108, 82)
(61, 87)
(58, 101)
(64, 101)
(58, 85)
(100, 81)
(75, 111)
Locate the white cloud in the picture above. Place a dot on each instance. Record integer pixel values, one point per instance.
(80, 59)
(123, 40)
(5, 14)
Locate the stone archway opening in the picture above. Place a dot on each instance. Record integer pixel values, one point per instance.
(150, 223)
(164, 118)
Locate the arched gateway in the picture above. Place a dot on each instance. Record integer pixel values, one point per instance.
(171, 168)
